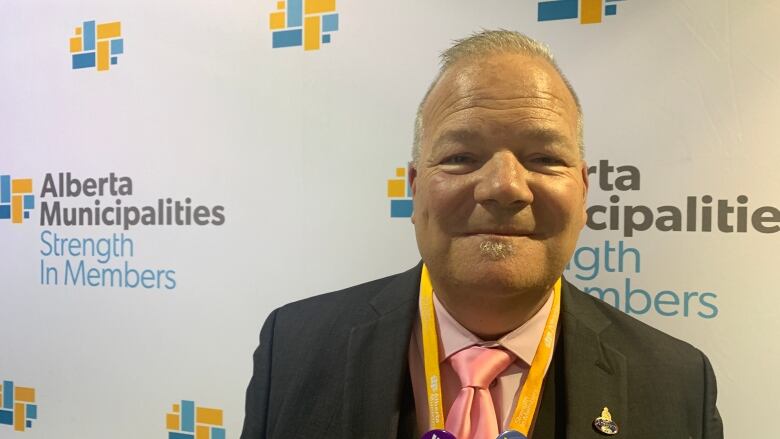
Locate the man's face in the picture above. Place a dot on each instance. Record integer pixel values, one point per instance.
(500, 188)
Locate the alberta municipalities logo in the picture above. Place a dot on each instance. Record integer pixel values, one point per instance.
(17, 406)
(187, 421)
(306, 23)
(16, 198)
(400, 194)
(588, 11)
(96, 45)
(73, 212)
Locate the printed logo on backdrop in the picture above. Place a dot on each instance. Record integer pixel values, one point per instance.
(307, 23)
(400, 194)
(588, 11)
(17, 406)
(70, 208)
(700, 213)
(618, 257)
(96, 45)
(187, 421)
(16, 198)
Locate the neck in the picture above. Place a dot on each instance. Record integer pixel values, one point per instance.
(492, 314)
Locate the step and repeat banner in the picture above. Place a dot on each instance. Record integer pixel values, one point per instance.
(171, 171)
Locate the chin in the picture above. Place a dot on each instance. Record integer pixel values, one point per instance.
(509, 273)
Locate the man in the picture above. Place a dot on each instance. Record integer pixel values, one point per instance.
(500, 187)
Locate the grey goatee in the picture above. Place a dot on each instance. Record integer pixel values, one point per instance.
(496, 250)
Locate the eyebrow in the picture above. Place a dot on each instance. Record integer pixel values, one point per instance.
(544, 134)
(460, 136)
(538, 134)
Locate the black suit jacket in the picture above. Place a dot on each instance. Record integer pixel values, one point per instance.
(336, 366)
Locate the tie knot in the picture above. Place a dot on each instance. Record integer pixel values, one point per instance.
(478, 367)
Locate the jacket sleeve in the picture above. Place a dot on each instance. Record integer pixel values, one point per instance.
(258, 391)
(713, 425)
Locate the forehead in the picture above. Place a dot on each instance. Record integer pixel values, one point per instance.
(504, 92)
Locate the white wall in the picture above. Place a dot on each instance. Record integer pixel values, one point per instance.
(297, 146)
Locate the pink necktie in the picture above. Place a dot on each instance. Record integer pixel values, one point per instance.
(472, 415)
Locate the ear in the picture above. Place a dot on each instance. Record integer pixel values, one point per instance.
(411, 173)
(585, 186)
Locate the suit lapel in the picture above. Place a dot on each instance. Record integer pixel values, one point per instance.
(377, 371)
(595, 373)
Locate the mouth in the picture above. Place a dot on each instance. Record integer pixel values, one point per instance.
(499, 234)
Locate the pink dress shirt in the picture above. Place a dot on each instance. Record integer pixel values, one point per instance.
(453, 337)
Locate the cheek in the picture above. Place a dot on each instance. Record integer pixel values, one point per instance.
(448, 199)
(560, 204)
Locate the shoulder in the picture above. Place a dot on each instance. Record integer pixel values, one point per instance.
(349, 300)
(637, 339)
(346, 308)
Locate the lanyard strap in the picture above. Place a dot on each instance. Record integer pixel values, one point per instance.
(528, 399)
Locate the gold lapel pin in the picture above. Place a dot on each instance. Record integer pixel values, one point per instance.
(604, 423)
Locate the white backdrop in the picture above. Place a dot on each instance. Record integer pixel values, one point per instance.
(295, 147)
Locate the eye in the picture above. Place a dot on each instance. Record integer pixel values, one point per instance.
(457, 159)
(547, 160)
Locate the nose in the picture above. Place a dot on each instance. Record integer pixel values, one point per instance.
(503, 183)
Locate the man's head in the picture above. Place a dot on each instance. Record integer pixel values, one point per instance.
(498, 177)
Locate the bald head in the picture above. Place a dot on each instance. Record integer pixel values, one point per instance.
(477, 49)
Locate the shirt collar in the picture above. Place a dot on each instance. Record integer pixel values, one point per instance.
(522, 341)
